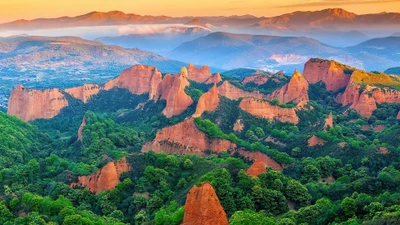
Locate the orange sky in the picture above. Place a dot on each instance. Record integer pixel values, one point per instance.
(28, 9)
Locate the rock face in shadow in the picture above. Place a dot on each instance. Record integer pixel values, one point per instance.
(138, 80)
(334, 75)
(172, 89)
(80, 130)
(186, 138)
(328, 122)
(106, 178)
(295, 91)
(215, 79)
(202, 207)
(209, 101)
(234, 93)
(36, 104)
(265, 110)
(199, 75)
(84, 92)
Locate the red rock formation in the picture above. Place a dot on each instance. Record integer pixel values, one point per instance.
(314, 140)
(258, 156)
(80, 130)
(383, 151)
(106, 178)
(138, 80)
(36, 104)
(199, 75)
(265, 110)
(202, 207)
(186, 138)
(234, 93)
(209, 101)
(172, 89)
(398, 116)
(331, 73)
(295, 91)
(257, 79)
(84, 92)
(328, 122)
(257, 168)
(215, 79)
(238, 126)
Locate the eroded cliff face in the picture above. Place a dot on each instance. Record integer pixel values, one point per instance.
(138, 80)
(106, 178)
(257, 168)
(328, 122)
(365, 99)
(232, 92)
(258, 156)
(202, 207)
(36, 104)
(260, 79)
(186, 138)
(263, 109)
(398, 116)
(80, 130)
(295, 91)
(238, 126)
(215, 79)
(172, 89)
(209, 101)
(84, 92)
(199, 75)
(332, 74)
(314, 141)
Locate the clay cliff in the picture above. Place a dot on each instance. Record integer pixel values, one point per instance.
(260, 108)
(314, 141)
(186, 138)
(398, 116)
(106, 178)
(172, 89)
(84, 92)
(215, 79)
(295, 91)
(80, 130)
(334, 75)
(258, 157)
(234, 93)
(257, 168)
(364, 99)
(209, 101)
(199, 75)
(202, 207)
(328, 122)
(36, 104)
(138, 80)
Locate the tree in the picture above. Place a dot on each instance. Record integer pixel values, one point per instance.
(295, 191)
(188, 164)
(348, 207)
(248, 217)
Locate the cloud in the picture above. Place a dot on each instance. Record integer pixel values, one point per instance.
(336, 3)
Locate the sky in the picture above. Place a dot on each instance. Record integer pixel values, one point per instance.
(28, 9)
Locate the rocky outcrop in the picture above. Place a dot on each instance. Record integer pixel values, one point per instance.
(209, 101)
(202, 207)
(365, 99)
(295, 91)
(232, 92)
(106, 178)
(186, 138)
(314, 141)
(261, 79)
(238, 126)
(215, 79)
(80, 130)
(36, 104)
(84, 92)
(260, 157)
(138, 80)
(199, 75)
(334, 75)
(172, 90)
(263, 109)
(328, 122)
(257, 168)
